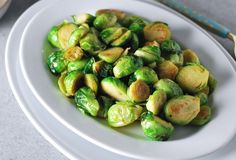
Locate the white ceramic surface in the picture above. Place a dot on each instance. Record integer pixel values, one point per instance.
(194, 144)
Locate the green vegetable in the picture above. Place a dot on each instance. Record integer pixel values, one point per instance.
(190, 57)
(146, 74)
(73, 54)
(53, 37)
(119, 14)
(149, 54)
(64, 34)
(122, 40)
(72, 82)
(110, 34)
(88, 68)
(105, 20)
(56, 62)
(102, 69)
(138, 91)
(91, 81)
(212, 83)
(134, 43)
(61, 84)
(167, 69)
(77, 65)
(203, 98)
(137, 26)
(105, 104)
(170, 46)
(111, 55)
(128, 20)
(177, 59)
(83, 18)
(203, 116)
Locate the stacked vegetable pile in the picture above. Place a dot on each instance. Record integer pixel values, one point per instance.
(124, 68)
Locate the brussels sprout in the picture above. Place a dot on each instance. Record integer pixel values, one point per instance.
(167, 69)
(171, 88)
(122, 114)
(170, 46)
(73, 54)
(105, 20)
(111, 55)
(86, 101)
(102, 69)
(91, 81)
(115, 88)
(88, 68)
(156, 101)
(53, 37)
(78, 34)
(152, 43)
(146, 74)
(182, 110)
(203, 98)
(77, 65)
(83, 18)
(153, 65)
(56, 62)
(192, 78)
(112, 33)
(64, 34)
(105, 104)
(137, 26)
(190, 56)
(126, 65)
(61, 84)
(212, 83)
(134, 43)
(206, 90)
(155, 128)
(119, 14)
(126, 52)
(138, 91)
(128, 20)
(122, 40)
(91, 44)
(203, 116)
(149, 54)
(157, 31)
(177, 59)
(72, 82)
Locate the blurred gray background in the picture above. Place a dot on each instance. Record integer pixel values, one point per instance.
(18, 138)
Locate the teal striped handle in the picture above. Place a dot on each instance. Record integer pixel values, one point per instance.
(202, 20)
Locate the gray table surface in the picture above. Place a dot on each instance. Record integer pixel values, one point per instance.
(19, 140)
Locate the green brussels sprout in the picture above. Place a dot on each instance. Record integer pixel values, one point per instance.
(56, 62)
(83, 18)
(53, 37)
(61, 84)
(73, 53)
(119, 14)
(134, 42)
(91, 44)
(78, 34)
(167, 69)
(88, 68)
(72, 82)
(182, 110)
(137, 26)
(122, 40)
(112, 33)
(146, 74)
(177, 59)
(152, 43)
(212, 83)
(203, 116)
(170, 46)
(111, 55)
(86, 101)
(91, 81)
(156, 101)
(115, 88)
(190, 57)
(122, 114)
(149, 54)
(105, 104)
(64, 34)
(138, 91)
(206, 90)
(77, 65)
(128, 20)
(171, 88)
(155, 128)
(105, 20)
(203, 98)
(192, 78)
(153, 65)
(157, 31)
(102, 69)
(126, 65)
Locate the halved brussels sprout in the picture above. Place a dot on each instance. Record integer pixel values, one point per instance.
(61, 84)
(152, 43)
(111, 55)
(115, 88)
(110, 34)
(134, 43)
(156, 101)
(203, 116)
(171, 88)
(128, 20)
(88, 68)
(86, 101)
(192, 78)
(177, 59)
(83, 18)
(102, 69)
(77, 65)
(190, 57)
(122, 40)
(155, 128)
(122, 114)
(203, 98)
(137, 26)
(91, 81)
(157, 31)
(212, 83)
(182, 110)
(149, 54)
(53, 36)
(138, 91)
(126, 65)
(73, 53)
(56, 62)
(78, 34)
(105, 104)
(72, 81)
(105, 20)
(170, 46)
(167, 69)
(64, 34)
(146, 74)
(119, 14)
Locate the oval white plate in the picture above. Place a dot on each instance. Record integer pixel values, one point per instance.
(209, 138)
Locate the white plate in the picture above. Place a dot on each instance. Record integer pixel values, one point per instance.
(58, 135)
(191, 143)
